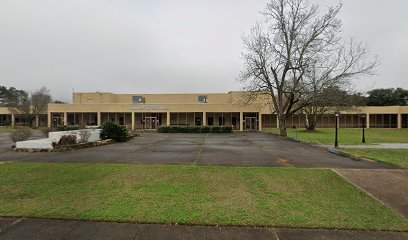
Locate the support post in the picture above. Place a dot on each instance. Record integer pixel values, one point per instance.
(66, 119)
(260, 122)
(13, 120)
(204, 119)
(399, 121)
(37, 121)
(241, 121)
(368, 121)
(99, 119)
(49, 122)
(277, 121)
(168, 119)
(133, 121)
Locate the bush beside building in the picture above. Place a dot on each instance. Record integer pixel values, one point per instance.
(194, 129)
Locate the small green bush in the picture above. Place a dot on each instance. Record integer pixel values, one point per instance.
(185, 129)
(113, 131)
(216, 129)
(163, 129)
(174, 129)
(195, 129)
(67, 128)
(5, 123)
(205, 129)
(226, 129)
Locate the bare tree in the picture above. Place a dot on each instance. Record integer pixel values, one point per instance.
(31, 105)
(328, 86)
(331, 100)
(279, 52)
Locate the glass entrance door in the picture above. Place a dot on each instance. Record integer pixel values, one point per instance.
(250, 124)
(150, 123)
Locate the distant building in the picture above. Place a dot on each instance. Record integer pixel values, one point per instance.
(149, 111)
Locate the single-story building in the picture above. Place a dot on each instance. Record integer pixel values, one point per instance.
(149, 111)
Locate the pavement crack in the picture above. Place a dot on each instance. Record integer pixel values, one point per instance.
(11, 224)
(73, 228)
(138, 232)
(199, 152)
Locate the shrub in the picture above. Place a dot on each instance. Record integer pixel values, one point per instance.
(163, 129)
(195, 129)
(67, 140)
(174, 129)
(5, 123)
(226, 129)
(21, 134)
(113, 131)
(216, 129)
(205, 129)
(185, 129)
(67, 128)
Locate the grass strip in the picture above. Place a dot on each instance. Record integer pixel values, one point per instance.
(274, 197)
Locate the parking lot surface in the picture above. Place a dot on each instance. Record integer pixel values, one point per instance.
(236, 149)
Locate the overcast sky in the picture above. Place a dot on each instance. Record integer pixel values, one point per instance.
(165, 46)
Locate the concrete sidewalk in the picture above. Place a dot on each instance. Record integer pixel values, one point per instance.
(374, 146)
(388, 186)
(21, 229)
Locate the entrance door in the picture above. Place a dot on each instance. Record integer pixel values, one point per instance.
(150, 123)
(56, 121)
(250, 124)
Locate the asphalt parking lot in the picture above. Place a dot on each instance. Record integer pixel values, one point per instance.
(237, 149)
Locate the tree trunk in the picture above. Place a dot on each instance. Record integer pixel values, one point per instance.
(311, 122)
(282, 126)
(311, 127)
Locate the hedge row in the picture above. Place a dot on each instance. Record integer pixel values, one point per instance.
(194, 129)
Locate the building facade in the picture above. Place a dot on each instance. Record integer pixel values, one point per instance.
(149, 111)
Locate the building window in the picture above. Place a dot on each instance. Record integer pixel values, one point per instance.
(221, 121)
(138, 100)
(234, 121)
(173, 119)
(210, 121)
(202, 99)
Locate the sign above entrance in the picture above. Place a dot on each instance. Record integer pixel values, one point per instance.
(149, 108)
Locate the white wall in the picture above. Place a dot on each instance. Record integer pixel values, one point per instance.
(56, 136)
(46, 143)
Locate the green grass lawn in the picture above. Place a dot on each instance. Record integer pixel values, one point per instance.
(348, 136)
(6, 129)
(279, 197)
(396, 157)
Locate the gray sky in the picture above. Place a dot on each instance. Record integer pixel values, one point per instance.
(165, 46)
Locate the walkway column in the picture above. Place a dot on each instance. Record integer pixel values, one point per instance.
(133, 121)
(399, 124)
(260, 122)
(65, 119)
(49, 120)
(241, 121)
(168, 119)
(37, 121)
(204, 119)
(99, 119)
(13, 120)
(277, 121)
(367, 120)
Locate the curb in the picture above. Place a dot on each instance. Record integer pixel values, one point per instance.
(349, 155)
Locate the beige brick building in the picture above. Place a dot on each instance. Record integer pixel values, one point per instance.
(149, 111)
